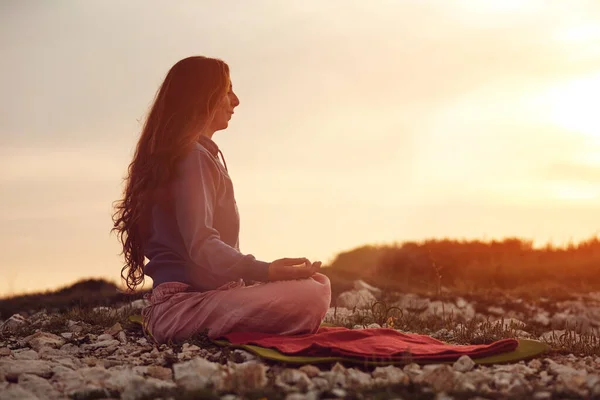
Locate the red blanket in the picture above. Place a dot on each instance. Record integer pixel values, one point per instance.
(380, 343)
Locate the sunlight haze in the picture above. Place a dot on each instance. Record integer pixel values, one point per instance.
(359, 123)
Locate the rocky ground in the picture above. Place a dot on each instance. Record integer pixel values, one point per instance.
(97, 354)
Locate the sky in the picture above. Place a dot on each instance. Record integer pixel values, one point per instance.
(359, 123)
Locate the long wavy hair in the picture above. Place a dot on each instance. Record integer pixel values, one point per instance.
(183, 106)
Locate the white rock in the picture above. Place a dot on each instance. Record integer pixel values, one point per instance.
(38, 386)
(67, 380)
(361, 299)
(336, 377)
(520, 369)
(310, 370)
(69, 362)
(574, 383)
(26, 355)
(321, 383)
(14, 368)
(143, 388)
(245, 376)
(390, 375)
(139, 304)
(356, 378)
(535, 364)
(595, 390)
(49, 353)
(523, 334)
(440, 377)
(70, 348)
(443, 396)
(502, 380)
(90, 391)
(412, 370)
(105, 337)
(67, 335)
(545, 379)
(561, 370)
(496, 310)
(578, 322)
(542, 395)
(542, 318)
(466, 386)
(464, 364)
(197, 374)
(461, 303)
(360, 285)
(313, 395)
(16, 392)
(592, 380)
(13, 323)
(122, 337)
(411, 301)
(186, 347)
(85, 382)
(440, 308)
(155, 371)
(289, 379)
(43, 339)
(116, 378)
(114, 330)
(230, 397)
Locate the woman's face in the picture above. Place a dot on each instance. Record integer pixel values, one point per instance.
(224, 110)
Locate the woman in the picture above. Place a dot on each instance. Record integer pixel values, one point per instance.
(179, 212)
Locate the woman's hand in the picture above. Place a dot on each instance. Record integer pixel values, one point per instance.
(292, 268)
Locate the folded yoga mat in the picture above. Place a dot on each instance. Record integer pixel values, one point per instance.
(306, 349)
(377, 347)
(526, 350)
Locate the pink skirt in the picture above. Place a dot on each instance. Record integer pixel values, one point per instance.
(290, 307)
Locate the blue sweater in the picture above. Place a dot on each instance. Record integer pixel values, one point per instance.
(195, 239)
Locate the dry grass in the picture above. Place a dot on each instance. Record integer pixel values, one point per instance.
(471, 331)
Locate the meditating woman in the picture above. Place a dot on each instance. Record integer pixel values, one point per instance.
(179, 212)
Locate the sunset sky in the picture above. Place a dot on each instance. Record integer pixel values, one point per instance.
(360, 122)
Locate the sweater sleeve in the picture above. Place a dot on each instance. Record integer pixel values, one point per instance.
(195, 191)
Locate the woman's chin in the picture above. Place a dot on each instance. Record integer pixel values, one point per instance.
(223, 126)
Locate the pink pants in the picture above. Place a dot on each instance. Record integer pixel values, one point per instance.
(285, 307)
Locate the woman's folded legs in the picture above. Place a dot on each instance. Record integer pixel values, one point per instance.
(283, 307)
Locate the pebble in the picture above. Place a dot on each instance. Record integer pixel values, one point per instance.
(119, 363)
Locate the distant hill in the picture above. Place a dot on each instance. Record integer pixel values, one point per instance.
(467, 266)
(84, 293)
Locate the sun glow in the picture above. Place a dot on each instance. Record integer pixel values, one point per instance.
(574, 106)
